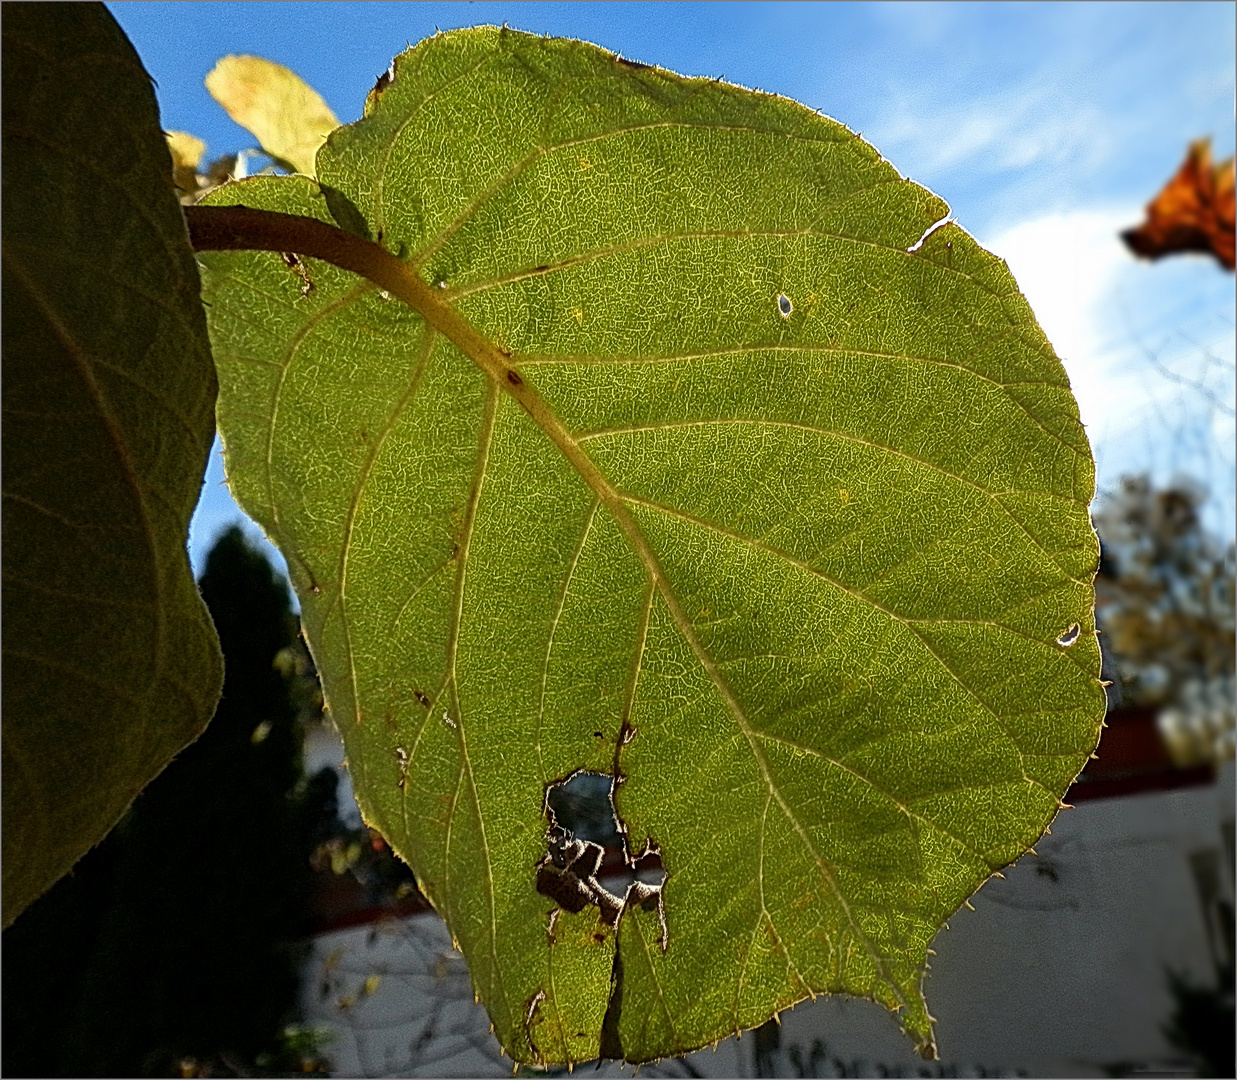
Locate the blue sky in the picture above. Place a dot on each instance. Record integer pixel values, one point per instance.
(1046, 127)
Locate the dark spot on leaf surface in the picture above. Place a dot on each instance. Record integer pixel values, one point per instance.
(563, 887)
(513, 378)
(294, 263)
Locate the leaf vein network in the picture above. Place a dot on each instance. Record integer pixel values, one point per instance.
(669, 424)
(171, 238)
(736, 710)
(485, 439)
(418, 589)
(69, 523)
(767, 916)
(558, 614)
(990, 496)
(169, 306)
(740, 978)
(597, 254)
(975, 696)
(11, 578)
(637, 664)
(547, 359)
(499, 183)
(910, 814)
(385, 169)
(136, 482)
(910, 624)
(657, 983)
(311, 323)
(85, 676)
(340, 597)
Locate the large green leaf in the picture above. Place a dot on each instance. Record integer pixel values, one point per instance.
(111, 664)
(779, 515)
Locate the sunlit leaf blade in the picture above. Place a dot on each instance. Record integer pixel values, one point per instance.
(811, 520)
(111, 664)
(187, 151)
(284, 113)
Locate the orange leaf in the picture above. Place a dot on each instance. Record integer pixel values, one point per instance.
(1194, 212)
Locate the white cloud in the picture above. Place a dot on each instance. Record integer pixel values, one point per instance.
(1148, 347)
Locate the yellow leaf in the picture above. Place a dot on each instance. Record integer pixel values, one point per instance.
(286, 115)
(186, 149)
(187, 154)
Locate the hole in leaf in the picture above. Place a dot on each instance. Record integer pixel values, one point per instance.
(1070, 636)
(928, 232)
(784, 306)
(582, 804)
(587, 860)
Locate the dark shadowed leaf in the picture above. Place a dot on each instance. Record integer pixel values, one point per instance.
(110, 662)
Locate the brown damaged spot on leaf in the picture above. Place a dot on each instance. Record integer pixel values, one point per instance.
(634, 65)
(294, 263)
(384, 80)
(569, 872)
(568, 876)
(1196, 211)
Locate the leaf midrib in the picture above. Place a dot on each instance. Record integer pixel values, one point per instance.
(447, 320)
